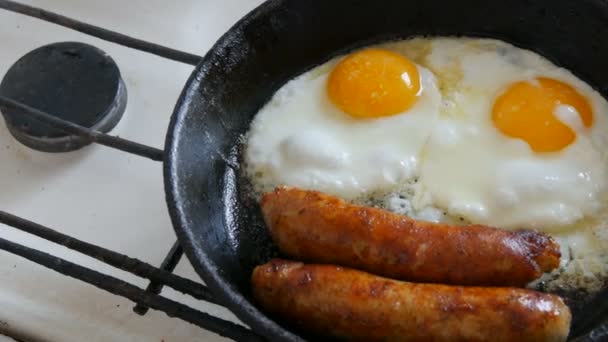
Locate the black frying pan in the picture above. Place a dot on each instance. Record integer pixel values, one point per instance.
(218, 226)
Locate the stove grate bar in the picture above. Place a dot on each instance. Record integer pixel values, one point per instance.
(117, 260)
(121, 288)
(169, 263)
(101, 33)
(93, 135)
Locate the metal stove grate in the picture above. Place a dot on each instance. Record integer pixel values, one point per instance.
(149, 298)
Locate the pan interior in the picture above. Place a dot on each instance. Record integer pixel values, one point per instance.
(218, 224)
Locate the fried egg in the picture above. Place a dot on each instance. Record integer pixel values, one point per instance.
(522, 145)
(354, 125)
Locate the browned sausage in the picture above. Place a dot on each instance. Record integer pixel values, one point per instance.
(314, 227)
(355, 305)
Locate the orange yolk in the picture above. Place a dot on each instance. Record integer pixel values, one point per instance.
(526, 111)
(374, 83)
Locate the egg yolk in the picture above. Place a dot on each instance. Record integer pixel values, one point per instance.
(374, 83)
(526, 110)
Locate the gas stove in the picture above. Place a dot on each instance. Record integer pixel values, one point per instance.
(68, 201)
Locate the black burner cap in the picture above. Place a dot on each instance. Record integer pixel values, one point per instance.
(73, 81)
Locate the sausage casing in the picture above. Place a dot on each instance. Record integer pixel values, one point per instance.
(354, 305)
(314, 227)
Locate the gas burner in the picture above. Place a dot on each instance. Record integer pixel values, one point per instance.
(72, 81)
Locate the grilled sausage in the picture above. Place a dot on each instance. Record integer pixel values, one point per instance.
(354, 305)
(314, 227)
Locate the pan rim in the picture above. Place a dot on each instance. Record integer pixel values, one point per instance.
(229, 296)
(227, 293)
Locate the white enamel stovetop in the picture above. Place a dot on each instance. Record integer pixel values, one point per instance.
(97, 194)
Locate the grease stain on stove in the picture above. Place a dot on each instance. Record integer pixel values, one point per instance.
(22, 155)
(131, 81)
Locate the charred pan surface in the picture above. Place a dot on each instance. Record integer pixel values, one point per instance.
(355, 305)
(314, 227)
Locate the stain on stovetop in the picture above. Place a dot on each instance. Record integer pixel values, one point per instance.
(22, 154)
